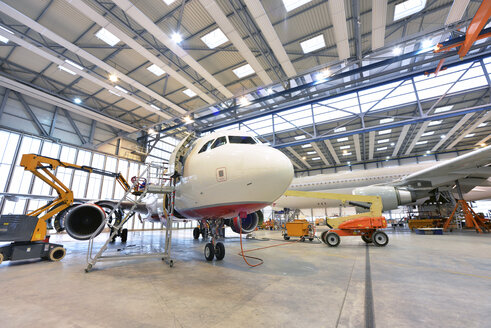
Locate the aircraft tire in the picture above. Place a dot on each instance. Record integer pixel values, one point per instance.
(219, 251)
(209, 252)
(196, 233)
(285, 237)
(332, 239)
(366, 239)
(380, 238)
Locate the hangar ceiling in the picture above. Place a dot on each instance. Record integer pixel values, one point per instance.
(261, 64)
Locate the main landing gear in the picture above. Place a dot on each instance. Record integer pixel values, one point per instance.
(213, 249)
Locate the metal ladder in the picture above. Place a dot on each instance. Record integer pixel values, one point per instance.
(157, 187)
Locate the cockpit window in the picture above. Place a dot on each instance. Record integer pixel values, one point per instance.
(219, 142)
(241, 140)
(205, 146)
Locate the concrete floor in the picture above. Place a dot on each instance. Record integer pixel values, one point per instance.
(427, 281)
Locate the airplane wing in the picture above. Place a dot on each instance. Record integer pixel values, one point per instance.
(471, 170)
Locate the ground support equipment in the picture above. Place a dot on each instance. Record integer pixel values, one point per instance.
(299, 228)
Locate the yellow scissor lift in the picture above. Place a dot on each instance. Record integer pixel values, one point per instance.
(364, 224)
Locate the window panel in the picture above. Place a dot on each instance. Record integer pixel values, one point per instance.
(21, 179)
(7, 153)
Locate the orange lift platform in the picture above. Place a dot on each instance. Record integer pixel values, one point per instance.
(366, 225)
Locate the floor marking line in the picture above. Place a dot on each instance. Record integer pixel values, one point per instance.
(346, 293)
(369, 311)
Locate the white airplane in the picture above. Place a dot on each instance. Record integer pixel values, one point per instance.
(221, 177)
(400, 185)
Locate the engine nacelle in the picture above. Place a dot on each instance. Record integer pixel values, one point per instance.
(391, 197)
(84, 220)
(249, 223)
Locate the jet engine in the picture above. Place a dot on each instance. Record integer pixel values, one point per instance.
(249, 223)
(392, 197)
(84, 220)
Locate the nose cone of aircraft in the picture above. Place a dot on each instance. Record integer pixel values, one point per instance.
(268, 171)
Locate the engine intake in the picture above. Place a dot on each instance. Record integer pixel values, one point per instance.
(392, 197)
(249, 223)
(84, 220)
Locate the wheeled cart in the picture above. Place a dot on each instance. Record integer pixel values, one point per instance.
(299, 228)
(365, 227)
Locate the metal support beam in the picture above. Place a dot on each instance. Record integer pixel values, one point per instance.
(356, 140)
(416, 137)
(452, 131)
(332, 151)
(31, 114)
(469, 130)
(92, 132)
(74, 126)
(4, 101)
(371, 144)
(304, 162)
(319, 152)
(53, 122)
(402, 136)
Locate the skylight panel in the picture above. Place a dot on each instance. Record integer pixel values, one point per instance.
(155, 70)
(381, 148)
(428, 134)
(385, 131)
(293, 4)
(482, 125)
(214, 38)
(435, 123)
(443, 109)
(342, 139)
(313, 44)
(470, 135)
(316, 158)
(114, 93)
(346, 154)
(243, 71)
(408, 8)
(421, 142)
(299, 137)
(306, 146)
(121, 89)
(344, 147)
(69, 62)
(4, 39)
(340, 129)
(169, 2)
(155, 107)
(107, 37)
(310, 152)
(386, 120)
(383, 141)
(190, 93)
(65, 69)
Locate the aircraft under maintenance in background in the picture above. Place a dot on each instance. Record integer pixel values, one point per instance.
(221, 179)
(400, 185)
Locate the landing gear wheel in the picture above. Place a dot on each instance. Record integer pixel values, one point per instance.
(171, 263)
(209, 252)
(196, 233)
(204, 233)
(286, 237)
(1, 258)
(124, 235)
(332, 239)
(311, 239)
(323, 237)
(380, 238)
(302, 239)
(57, 253)
(366, 239)
(219, 251)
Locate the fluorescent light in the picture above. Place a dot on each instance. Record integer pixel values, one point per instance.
(190, 93)
(381, 148)
(243, 71)
(113, 78)
(470, 135)
(188, 120)
(315, 158)
(155, 107)
(169, 2)
(69, 62)
(443, 109)
(344, 147)
(155, 70)
(2, 38)
(77, 101)
(435, 123)
(176, 37)
(310, 152)
(428, 134)
(383, 141)
(386, 120)
(214, 38)
(428, 152)
(349, 163)
(66, 70)
(385, 131)
(107, 37)
(304, 158)
(397, 51)
(482, 125)
(121, 89)
(299, 137)
(421, 142)
(313, 44)
(306, 146)
(114, 93)
(392, 144)
(442, 136)
(340, 129)
(346, 154)
(342, 139)
(408, 8)
(387, 158)
(293, 4)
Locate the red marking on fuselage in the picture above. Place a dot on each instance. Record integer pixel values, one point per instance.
(221, 211)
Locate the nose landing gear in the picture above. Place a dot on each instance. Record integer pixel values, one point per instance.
(214, 249)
